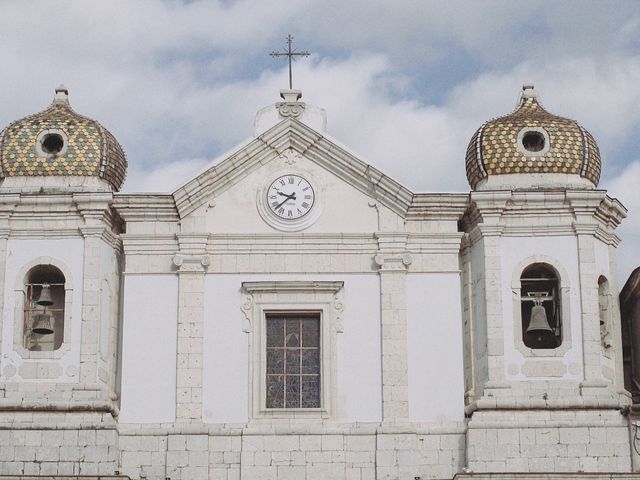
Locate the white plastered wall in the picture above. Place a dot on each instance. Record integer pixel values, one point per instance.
(563, 251)
(434, 338)
(21, 253)
(225, 388)
(149, 337)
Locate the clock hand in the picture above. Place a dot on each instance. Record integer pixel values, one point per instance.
(289, 197)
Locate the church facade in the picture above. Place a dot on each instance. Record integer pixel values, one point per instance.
(293, 313)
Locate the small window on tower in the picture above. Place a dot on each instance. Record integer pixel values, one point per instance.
(52, 143)
(540, 307)
(533, 141)
(44, 309)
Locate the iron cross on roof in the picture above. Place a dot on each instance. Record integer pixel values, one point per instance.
(291, 53)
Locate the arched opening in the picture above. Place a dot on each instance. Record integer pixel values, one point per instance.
(44, 308)
(540, 306)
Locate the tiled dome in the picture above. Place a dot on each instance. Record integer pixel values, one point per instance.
(59, 142)
(531, 140)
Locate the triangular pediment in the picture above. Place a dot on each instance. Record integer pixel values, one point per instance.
(291, 135)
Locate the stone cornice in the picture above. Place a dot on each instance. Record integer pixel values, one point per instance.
(58, 214)
(146, 207)
(293, 286)
(547, 212)
(291, 134)
(438, 206)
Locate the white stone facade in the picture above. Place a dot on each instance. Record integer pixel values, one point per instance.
(424, 371)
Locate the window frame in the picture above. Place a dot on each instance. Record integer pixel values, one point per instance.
(564, 297)
(266, 298)
(19, 309)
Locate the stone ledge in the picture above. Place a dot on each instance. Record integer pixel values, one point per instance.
(63, 477)
(545, 476)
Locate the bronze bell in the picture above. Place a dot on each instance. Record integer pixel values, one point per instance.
(45, 296)
(538, 320)
(42, 324)
(539, 328)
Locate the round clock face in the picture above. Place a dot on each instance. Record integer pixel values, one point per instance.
(290, 197)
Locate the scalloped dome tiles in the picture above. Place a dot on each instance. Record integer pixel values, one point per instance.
(531, 140)
(60, 142)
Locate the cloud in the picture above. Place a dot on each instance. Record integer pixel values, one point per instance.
(179, 82)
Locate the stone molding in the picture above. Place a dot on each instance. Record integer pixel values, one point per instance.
(561, 212)
(18, 323)
(565, 302)
(291, 134)
(259, 298)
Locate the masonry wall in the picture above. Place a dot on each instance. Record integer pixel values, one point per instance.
(230, 456)
(58, 444)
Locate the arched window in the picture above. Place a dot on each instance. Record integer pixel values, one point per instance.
(44, 308)
(604, 301)
(540, 306)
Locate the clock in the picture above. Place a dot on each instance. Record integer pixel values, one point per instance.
(290, 197)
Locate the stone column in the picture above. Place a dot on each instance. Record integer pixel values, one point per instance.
(192, 263)
(393, 261)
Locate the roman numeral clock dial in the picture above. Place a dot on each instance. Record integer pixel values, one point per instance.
(290, 197)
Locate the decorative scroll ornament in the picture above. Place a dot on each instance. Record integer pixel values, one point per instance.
(393, 261)
(338, 308)
(290, 109)
(191, 263)
(290, 156)
(246, 308)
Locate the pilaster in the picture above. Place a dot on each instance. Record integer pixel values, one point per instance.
(393, 261)
(486, 228)
(7, 205)
(94, 208)
(192, 263)
(586, 227)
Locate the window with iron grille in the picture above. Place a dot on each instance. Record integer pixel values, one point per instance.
(293, 360)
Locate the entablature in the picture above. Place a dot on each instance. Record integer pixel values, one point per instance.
(543, 212)
(59, 214)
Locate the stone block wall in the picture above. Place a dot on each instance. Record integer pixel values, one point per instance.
(58, 452)
(537, 441)
(68, 444)
(241, 455)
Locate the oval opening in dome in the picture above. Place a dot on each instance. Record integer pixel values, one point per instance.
(533, 141)
(52, 143)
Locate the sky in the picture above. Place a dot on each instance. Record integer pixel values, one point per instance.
(404, 83)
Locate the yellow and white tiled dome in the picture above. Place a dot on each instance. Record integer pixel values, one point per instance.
(531, 141)
(60, 142)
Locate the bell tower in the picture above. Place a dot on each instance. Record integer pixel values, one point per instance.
(539, 246)
(60, 282)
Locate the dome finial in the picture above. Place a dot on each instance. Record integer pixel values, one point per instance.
(62, 95)
(528, 91)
